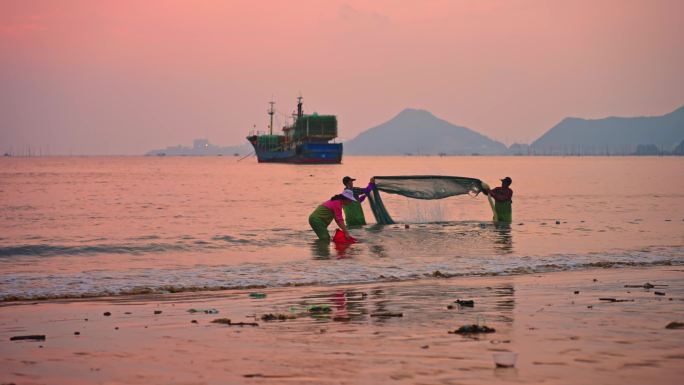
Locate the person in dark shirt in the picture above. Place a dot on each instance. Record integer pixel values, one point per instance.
(503, 200)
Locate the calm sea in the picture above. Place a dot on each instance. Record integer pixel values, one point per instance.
(95, 226)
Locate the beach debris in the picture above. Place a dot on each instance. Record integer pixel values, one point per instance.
(576, 291)
(259, 375)
(406, 226)
(157, 312)
(116, 328)
(106, 314)
(318, 309)
(32, 337)
(128, 312)
(244, 324)
(647, 285)
(205, 311)
(558, 222)
(193, 321)
(595, 280)
(616, 300)
(227, 321)
(425, 347)
(675, 325)
(256, 295)
(505, 359)
(77, 333)
(277, 317)
(658, 293)
(439, 274)
(450, 307)
(387, 314)
(85, 319)
(465, 302)
(473, 329)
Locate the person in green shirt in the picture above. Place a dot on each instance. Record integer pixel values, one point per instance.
(353, 212)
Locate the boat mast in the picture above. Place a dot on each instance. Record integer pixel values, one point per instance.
(271, 112)
(299, 106)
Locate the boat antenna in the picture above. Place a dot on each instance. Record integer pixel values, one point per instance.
(271, 112)
(299, 106)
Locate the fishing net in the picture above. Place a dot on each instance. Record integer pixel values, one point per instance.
(419, 187)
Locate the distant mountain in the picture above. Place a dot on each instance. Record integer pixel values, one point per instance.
(201, 147)
(421, 133)
(679, 150)
(613, 136)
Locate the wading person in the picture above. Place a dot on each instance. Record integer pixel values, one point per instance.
(353, 212)
(503, 200)
(329, 210)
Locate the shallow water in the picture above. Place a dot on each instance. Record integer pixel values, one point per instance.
(110, 225)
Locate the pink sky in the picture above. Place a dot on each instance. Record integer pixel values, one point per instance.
(124, 77)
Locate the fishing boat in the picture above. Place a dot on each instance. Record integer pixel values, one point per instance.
(309, 140)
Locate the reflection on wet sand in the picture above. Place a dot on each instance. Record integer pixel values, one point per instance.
(363, 304)
(328, 335)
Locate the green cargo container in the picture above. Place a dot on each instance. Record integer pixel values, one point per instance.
(268, 140)
(316, 126)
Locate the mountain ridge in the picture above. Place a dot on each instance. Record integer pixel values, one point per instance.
(612, 135)
(418, 131)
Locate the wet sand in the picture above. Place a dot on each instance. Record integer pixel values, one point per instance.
(352, 334)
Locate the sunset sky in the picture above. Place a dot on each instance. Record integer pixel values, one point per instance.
(124, 77)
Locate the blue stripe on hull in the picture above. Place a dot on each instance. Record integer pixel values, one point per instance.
(309, 153)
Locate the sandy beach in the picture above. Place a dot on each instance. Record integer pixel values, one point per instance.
(581, 327)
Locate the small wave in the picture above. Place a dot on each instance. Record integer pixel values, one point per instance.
(258, 282)
(53, 250)
(229, 239)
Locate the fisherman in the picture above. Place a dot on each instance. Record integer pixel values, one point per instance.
(329, 210)
(353, 212)
(503, 200)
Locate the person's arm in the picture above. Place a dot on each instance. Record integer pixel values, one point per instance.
(367, 190)
(339, 219)
(343, 227)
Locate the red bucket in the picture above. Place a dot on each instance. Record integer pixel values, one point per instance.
(341, 238)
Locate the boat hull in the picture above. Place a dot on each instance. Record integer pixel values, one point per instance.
(305, 153)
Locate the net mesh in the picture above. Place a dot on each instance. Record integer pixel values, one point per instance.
(419, 187)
